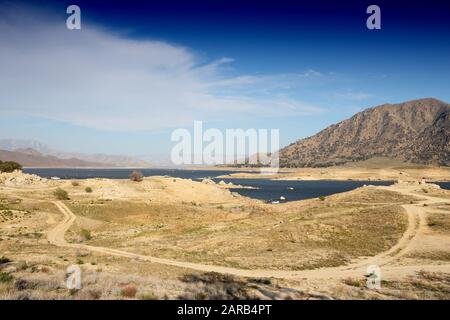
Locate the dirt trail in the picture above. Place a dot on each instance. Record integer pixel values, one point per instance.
(416, 227)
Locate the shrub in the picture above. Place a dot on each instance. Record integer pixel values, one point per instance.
(75, 183)
(322, 198)
(61, 194)
(354, 282)
(5, 277)
(88, 189)
(86, 234)
(148, 296)
(129, 291)
(136, 176)
(9, 166)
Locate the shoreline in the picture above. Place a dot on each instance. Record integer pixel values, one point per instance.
(411, 174)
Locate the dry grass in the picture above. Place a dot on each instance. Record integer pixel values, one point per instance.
(303, 235)
(423, 285)
(213, 228)
(436, 255)
(439, 222)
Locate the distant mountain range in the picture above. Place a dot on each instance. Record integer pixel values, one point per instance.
(416, 131)
(32, 153)
(32, 158)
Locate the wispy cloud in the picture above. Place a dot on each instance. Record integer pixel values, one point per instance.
(96, 78)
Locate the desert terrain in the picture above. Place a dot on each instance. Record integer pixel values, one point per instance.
(172, 238)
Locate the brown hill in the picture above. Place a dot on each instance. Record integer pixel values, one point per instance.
(416, 131)
(32, 158)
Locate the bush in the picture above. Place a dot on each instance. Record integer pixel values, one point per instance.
(86, 234)
(75, 183)
(136, 176)
(61, 194)
(322, 198)
(88, 189)
(9, 166)
(5, 277)
(148, 296)
(129, 291)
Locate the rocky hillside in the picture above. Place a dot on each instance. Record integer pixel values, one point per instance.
(416, 131)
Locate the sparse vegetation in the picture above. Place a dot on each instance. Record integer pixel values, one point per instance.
(148, 296)
(154, 218)
(75, 183)
(88, 189)
(5, 277)
(322, 198)
(85, 234)
(129, 291)
(215, 286)
(439, 222)
(61, 194)
(136, 176)
(354, 282)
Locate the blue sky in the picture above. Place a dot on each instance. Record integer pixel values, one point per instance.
(137, 70)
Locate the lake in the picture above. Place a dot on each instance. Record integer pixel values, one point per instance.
(267, 190)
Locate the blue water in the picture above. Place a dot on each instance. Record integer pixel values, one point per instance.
(64, 173)
(443, 185)
(271, 190)
(267, 190)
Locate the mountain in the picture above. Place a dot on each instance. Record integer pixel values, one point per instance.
(21, 144)
(416, 131)
(32, 158)
(106, 160)
(111, 160)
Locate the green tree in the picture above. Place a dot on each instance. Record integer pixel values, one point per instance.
(61, 194)
(9, 166)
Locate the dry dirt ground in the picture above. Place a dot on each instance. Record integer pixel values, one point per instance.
(175, 238)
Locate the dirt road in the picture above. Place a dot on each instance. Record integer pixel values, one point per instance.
(416, 227)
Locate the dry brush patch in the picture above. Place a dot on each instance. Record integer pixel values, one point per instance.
(422, 285)
(439, 222)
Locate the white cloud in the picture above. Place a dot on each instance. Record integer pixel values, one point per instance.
(95, 78)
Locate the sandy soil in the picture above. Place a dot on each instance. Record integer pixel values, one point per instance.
(38, 228)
